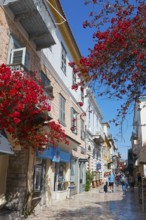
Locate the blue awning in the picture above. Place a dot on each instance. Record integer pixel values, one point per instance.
(46, 154)
(98, 166)
(55, 154)
(5, 147)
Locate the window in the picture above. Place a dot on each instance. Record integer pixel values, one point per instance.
(18, 54)
(93, 121)
(62, 110)
(94, 153)
(39, 177)
(82, 130)
(89, 116)
(74, 121)
(63, 59)
(60, 183)
(82, 94)
(74, 79)
(45, 80)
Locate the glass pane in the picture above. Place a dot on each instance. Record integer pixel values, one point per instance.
(37, 178)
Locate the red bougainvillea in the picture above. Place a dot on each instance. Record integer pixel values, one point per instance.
(118, 59)
(80, 104)
(23, 110)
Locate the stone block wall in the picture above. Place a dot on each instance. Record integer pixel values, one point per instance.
(17, 179)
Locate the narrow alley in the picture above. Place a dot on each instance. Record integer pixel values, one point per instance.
(95, 205)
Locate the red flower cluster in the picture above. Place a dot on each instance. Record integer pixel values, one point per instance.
(22, 102)
(80, 104)
(118, 58)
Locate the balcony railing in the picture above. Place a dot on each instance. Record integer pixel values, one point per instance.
(98, 139)
(18, 67)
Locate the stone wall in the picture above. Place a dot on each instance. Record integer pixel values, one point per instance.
(17, 179)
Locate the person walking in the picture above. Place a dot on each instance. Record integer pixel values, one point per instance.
(131, 183)
(105, 182)
(111, 180)
(124, 184)
(105, 187)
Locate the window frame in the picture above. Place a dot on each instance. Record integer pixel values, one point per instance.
(45, 80)
(74, 123)
(62, 105)
(15, 45)
(63, 58)
(82, 129)
(82, 95)
(74, 78)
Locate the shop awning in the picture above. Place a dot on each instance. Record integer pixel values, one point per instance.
(55, 154)
(5, 147)
(46, 154)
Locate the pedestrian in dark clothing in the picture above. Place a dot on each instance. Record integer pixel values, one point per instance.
(124, 184)
(139, 179)
(105, 187)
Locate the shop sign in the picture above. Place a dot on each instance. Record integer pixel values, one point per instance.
(56, 157)
(54, 154)
(98, 166)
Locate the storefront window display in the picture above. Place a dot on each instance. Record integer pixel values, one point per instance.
(39, 177)
(82, 176)
(73, 175)
(60, 173)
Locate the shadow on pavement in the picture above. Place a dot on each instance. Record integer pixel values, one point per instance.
(111, 206)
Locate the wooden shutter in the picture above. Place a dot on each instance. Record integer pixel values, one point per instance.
(62, 109)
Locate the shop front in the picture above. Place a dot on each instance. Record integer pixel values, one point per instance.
(59, 171)
(5, 151)
(74, 176)
(82, 174)
(39, 184)
(98, 174)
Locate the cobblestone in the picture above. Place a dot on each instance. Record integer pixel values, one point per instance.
(95, 205)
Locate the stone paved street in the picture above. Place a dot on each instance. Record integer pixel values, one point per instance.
(95, 205)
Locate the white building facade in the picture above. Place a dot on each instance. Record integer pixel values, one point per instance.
(138, 137)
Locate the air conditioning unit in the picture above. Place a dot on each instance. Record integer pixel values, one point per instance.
(18, 59)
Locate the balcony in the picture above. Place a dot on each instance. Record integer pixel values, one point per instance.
(134, 137)
(34, 17)
(109, 136)
(110, 159)
(98, 139)
(42, 118)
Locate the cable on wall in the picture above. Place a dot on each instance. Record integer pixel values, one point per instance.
(64, 20)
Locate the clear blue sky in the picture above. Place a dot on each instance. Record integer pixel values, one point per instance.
(76, 12)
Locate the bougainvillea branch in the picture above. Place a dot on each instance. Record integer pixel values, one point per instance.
(118, 59)
(24, 109)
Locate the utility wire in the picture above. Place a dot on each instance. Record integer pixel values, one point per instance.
(64, 20)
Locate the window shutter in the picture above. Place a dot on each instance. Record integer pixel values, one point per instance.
(62, 109)
(18, 56)
(74, 122)
(71, 117)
